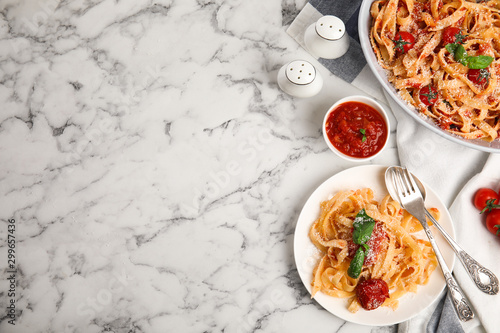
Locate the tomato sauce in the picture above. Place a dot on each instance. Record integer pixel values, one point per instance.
(346, 124)
(375, 244)
(372, 293)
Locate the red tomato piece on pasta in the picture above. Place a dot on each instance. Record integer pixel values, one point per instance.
(428, 95)
(450, 35)
(481, 77)
(404, 41)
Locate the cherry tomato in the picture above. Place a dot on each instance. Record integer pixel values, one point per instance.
(450, 35)
(404, 41)
(428, 95)
(483, 195)
(479, 76)
(372, 293)
(493, 222)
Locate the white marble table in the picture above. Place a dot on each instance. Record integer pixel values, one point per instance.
(153, 168)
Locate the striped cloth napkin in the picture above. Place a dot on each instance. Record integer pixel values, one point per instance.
(453, 170)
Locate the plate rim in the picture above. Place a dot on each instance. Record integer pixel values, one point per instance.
(450, 229)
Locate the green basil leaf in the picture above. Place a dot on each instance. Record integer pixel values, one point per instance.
(458, 52)
(356, 265)
(460, 55)
(363, 227)
(451, 48)
(479, 62)
(474, 62)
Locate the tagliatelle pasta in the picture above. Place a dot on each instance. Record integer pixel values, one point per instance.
(396, 256)
(461, 103)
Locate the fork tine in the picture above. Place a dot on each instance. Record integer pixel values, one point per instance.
(395, 182)
(396, 178)
(412, 181)
(404, 177)
(402, 182)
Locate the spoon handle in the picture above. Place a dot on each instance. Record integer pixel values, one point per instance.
(484, 279)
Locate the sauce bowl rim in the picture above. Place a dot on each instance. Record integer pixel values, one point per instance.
(368, 101)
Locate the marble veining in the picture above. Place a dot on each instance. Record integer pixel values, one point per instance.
(154, 170)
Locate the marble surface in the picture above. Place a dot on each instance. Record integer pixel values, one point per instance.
(154, 169)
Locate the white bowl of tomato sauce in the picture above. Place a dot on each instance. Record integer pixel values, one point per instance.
(356, 128)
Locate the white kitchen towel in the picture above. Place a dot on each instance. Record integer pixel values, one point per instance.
(445, 165)
(476, 240)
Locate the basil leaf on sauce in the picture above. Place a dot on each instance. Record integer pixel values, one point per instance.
(451, 48)
(356, 265)
(459, 53)
(474, 62)
(363, 227)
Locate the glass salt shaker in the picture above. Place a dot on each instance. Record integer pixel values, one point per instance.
(300, 78)
(327, 38)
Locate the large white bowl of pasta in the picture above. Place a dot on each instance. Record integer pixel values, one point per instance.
(440, 61)
(404, 259)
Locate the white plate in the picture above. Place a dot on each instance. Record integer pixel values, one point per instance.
(307, 256)
(364, 24)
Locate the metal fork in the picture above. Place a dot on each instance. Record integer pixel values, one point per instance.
(411, 200)
(484, 279)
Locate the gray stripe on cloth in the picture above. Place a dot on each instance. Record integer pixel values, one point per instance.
(444, 319)
(350, 64)
(337, 8)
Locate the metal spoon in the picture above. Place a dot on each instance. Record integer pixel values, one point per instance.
(484, 279)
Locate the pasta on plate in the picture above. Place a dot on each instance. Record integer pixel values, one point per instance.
(395, 254)
(443, 58)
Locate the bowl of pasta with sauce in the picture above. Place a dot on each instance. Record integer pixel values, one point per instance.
(440, 61)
